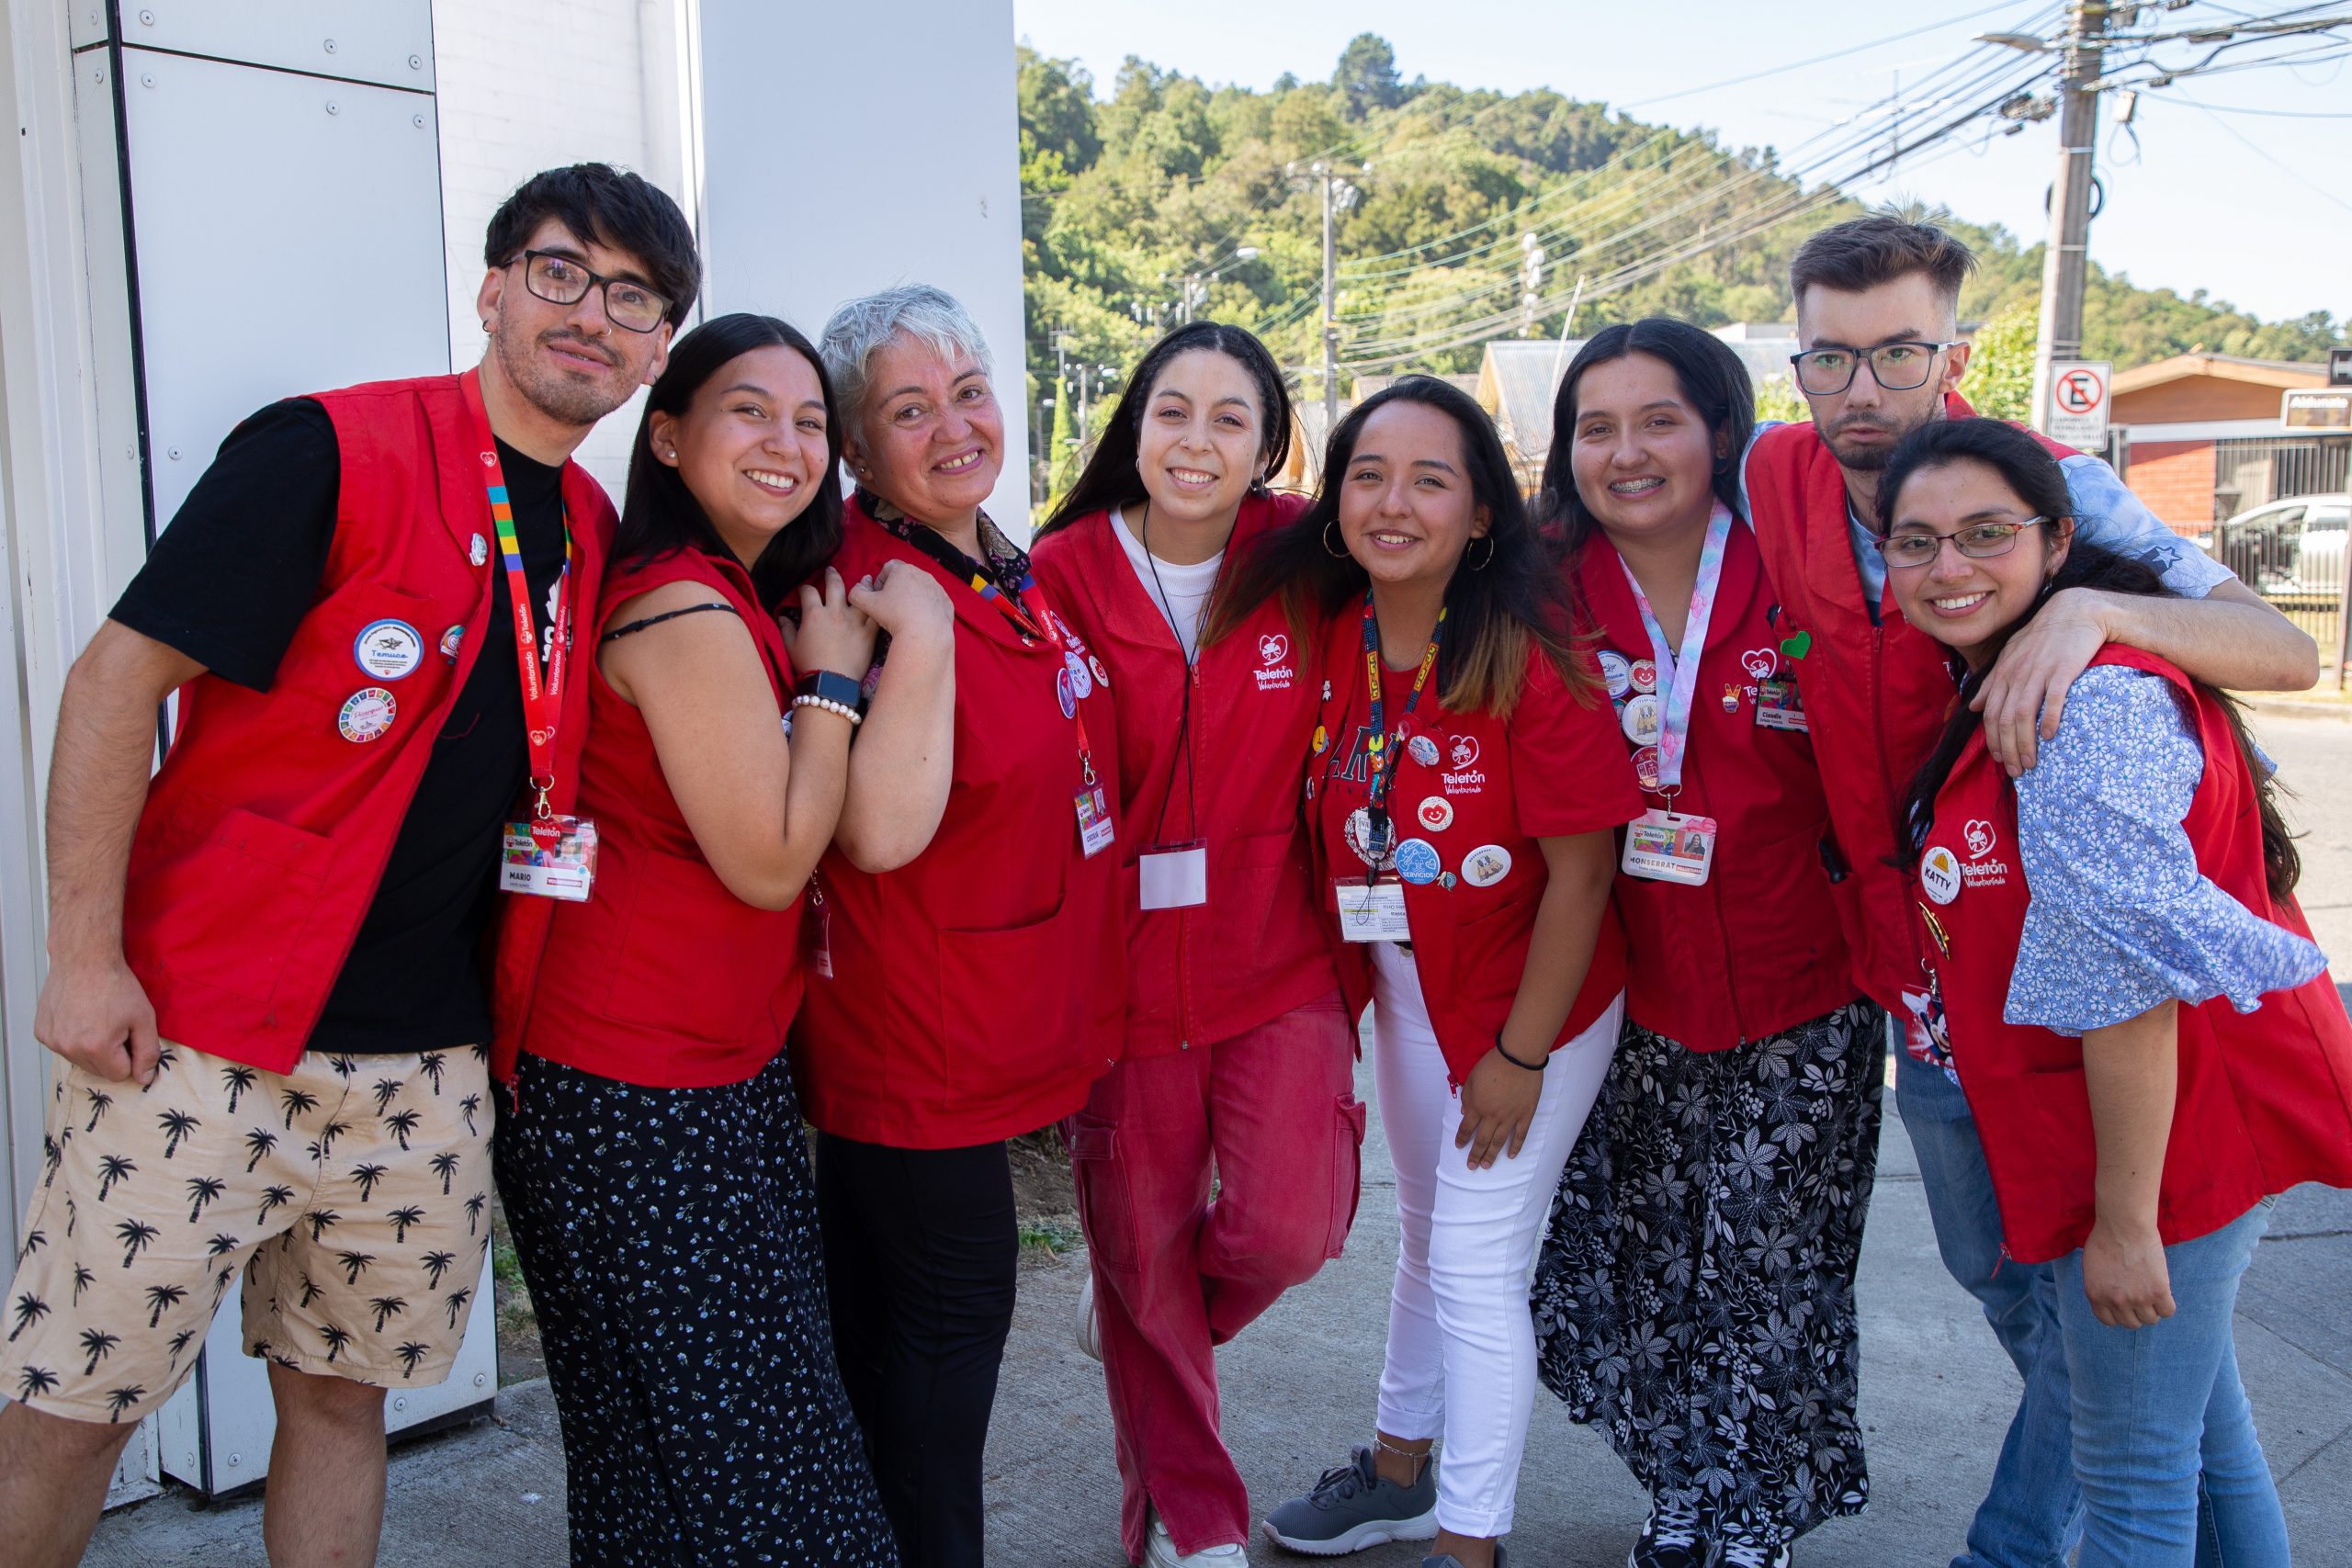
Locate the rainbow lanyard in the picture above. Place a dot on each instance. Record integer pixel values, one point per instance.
(1376, 741)
(542, 701)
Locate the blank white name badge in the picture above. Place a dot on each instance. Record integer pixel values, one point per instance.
(1666, 846)
(1173, 876)
(1371, 911)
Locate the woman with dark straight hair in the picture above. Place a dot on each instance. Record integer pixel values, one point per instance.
(1238, 1069)
(652, 1161)
(1464, 796)
(2125, 989)
(1719, 1207)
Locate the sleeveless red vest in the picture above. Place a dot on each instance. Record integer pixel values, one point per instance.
(1255, 950)
(663, 977)
(2265, 1097)
(1876, 694)
(266, 831)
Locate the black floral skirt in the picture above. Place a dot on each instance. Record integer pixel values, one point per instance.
(1695, 1295)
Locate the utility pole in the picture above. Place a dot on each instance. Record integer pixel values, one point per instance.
(1337, 193)
(2065, 262)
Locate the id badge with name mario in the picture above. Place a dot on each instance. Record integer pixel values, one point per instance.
(1667, 846)
(553, 857)
(1095, 826)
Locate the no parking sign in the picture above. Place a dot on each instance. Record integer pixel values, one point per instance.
(2079, 403)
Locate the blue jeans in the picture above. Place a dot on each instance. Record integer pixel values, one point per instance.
(2164, 1441)
(2033, 1515)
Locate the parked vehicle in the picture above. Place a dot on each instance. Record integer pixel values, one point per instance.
(2293, 546)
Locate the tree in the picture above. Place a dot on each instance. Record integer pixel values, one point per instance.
(1999, 382)
(1367, 77)
(1063, 473)
(1776, 399)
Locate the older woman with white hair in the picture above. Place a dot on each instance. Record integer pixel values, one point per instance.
(965, 955)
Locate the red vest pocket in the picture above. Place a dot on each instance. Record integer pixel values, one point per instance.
(1014, 1004)
(228, 888)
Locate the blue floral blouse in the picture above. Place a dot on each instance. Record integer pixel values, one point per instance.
(2119, 919)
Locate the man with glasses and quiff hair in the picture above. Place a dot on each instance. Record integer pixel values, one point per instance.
(1880, 355)
(264, 975)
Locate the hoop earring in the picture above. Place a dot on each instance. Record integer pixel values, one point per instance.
(1329, 529)
(1488, 558)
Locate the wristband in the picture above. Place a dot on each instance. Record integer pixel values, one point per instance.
(1524, 1066)
(829, 705)
(831, 688)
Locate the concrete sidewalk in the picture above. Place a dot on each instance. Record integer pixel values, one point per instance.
(1936, 1394)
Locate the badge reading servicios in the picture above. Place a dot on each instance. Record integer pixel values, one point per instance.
(1422, 750)
(388, 649)
(366, 714)
(1486, 866)
(1417, 861)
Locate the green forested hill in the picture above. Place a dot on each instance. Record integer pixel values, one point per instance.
(1168, 177)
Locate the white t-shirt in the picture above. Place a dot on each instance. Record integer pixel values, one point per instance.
(1180, 591)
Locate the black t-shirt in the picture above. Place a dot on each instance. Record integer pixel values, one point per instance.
(228, 583)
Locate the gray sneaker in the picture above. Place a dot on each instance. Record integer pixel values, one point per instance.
(1353, 1507)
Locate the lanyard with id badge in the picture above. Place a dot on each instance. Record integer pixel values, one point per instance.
(1174, 874)
(1369, 908)
(545, 855)
(1664, 844)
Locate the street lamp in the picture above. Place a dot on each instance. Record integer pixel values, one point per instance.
(2026, 41)
(1196, 284)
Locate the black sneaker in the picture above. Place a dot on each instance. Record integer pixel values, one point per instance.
(1353, 1507)
(1748, 1553)
(1670, 1539)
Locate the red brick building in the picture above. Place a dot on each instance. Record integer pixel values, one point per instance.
(2204, 437)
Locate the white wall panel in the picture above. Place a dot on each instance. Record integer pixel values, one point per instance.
(362, 40)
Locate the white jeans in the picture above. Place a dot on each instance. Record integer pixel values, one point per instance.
(1461, 1358)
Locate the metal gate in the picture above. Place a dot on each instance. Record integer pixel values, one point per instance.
(2282, 523)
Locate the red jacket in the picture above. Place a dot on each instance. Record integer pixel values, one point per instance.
(266, 831)
(1255, 950)
(2265, 1097)
(1876, 694)
(1555, 769)
(975, 992)
(1757, 947)
(663, 977)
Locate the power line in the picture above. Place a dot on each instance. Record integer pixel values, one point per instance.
(2254, 148)
(1816, 60)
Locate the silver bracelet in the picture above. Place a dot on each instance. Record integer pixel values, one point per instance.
(847, 711)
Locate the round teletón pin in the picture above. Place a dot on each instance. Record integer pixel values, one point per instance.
(1066, 691)
(1486, 866)
(1617, 671)
(366, 714)
(1436, 814)
(1417, 861)
(1102, 675)
(1940, 874)
(1422, 750)
(388, 649)
(1642, 716)
(1646, 767)
(1644, 674)
(451, 640)
(1081, 679)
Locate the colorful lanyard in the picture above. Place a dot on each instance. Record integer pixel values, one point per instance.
(1376, 741)
(976, 577)
(542, 699)
(1674, 724)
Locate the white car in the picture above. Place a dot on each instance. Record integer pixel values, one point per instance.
(2291, 546)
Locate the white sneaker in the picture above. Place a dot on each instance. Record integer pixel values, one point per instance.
(1089, 1328)
(1159, 1551)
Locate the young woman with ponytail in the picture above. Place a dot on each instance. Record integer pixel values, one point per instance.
(2126, 991)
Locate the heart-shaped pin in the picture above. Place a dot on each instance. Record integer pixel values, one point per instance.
(1797, 647)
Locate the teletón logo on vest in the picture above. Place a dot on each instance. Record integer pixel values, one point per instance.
(1462, 759)
(1276, 675)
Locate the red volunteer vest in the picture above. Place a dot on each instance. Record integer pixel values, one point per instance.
(1556, 768)
(266, 831)
(2265, 1097)
(663, 977)
(1256, 948)
(1757, 947)
(1876, 694)
(976, 991)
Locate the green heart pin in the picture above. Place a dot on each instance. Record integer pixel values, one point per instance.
(1797, 647)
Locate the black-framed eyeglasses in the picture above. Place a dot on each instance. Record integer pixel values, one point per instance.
(1898, 367)
(1978, 541)
(561, 280)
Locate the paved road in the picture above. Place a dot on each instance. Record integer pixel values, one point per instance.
(1298, 1387)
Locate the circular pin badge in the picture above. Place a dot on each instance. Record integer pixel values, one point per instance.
(479, 552)
(1486, 866)
(388, 649)
(1417, 861)
(1646, 767)
(1643, 675)
(1357, 832)
(1617, 671)
(1423, 751)
(1322, 740)
(1641, 718)
(451, 640)
(1081, 679)
(1066, 691)
(1445, 879)
(1436, 814)
(1940, 874)
(366, 714)
(1102, 676)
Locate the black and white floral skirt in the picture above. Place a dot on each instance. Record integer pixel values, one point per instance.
(1695, 1295)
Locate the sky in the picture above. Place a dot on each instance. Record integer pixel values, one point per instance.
(2190, 205)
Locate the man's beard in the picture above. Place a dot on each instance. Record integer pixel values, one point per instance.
(555, 394)
(1871, 457)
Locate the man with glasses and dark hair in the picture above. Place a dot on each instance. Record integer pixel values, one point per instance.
(266, 969)
(1877, 302)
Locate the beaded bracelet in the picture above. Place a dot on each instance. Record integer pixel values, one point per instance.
(829, 705)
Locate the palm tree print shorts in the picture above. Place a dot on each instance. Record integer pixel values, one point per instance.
(354, 1192)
